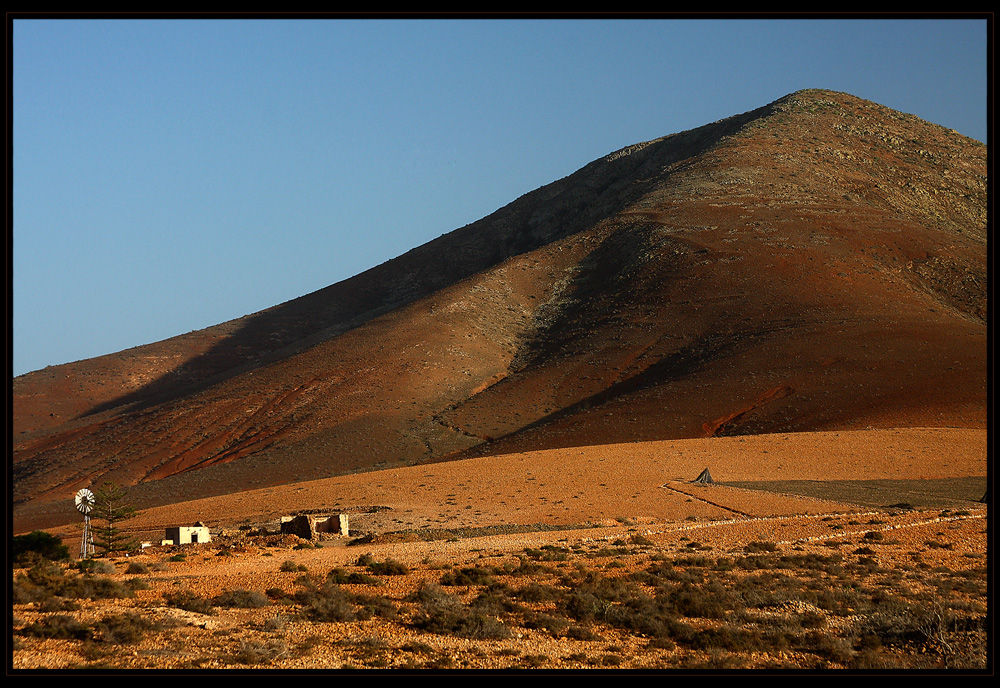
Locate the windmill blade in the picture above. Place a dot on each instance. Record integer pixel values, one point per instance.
(85, 501)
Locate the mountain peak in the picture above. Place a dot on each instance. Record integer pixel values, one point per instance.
(818, 263)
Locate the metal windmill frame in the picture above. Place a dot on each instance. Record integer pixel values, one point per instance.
(85, 502)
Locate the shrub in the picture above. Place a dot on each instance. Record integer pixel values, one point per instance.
(537, 592)
(534, 660)
(57, 604)
(553, 624)
(189, 601)
(24, 591)
(728, 638)
(661, 643)
(241, 599)
(932, 627)
(838, 601)
(389, 567)
(724, 564)
(327, 603)
(547, 553)
(257, 652)
(46, 579)
(96, 566)
(121, 629)
(136, 567)
(755, 562)
(864, 566)
(811, 619)
(275, 623)
(61, 626)
(375, 606)
(582, 633)
(277, 594)
(834, 648)
(664, 570)
(343, 577)
(440, 612)
(481, 627)
(418, 647)
(24, 548)
(814, 562)
(934, 544)
(527, 568)
(695, 562)
(496, 600)
(289, 566)
(473, 575)
(136, 584)
(708, 601)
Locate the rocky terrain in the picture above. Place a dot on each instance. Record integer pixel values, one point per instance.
(578, 559)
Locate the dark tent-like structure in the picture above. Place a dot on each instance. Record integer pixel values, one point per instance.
(704, 479)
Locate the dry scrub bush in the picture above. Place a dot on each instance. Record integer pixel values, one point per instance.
(389, 567)
(241, 599)
(471, 575)
(440, 612)
(343, 577)
(255, 652)
(189, 601)
(46, 580)
(327, 602)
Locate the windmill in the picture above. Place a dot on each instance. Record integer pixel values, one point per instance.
(85, 504)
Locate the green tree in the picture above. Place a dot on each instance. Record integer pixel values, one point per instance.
(111, 508)
(40, 544)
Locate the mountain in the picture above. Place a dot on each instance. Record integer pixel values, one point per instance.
(818, 263)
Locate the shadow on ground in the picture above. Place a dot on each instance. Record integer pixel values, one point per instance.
(935, 493)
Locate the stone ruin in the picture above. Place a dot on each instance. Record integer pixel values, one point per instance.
(310, 527)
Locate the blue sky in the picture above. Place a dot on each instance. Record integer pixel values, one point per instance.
(169, 175)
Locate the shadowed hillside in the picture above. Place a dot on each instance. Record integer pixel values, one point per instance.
(816, 264)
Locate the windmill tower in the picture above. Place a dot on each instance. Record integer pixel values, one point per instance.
(85, 504)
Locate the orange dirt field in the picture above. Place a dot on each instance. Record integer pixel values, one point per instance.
(648, 480)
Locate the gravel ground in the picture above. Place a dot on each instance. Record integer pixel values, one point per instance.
(228, 638)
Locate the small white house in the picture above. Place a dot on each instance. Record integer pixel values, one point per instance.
(187, 535)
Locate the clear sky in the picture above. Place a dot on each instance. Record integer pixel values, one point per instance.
(169, 175)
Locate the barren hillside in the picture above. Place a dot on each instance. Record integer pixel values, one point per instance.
(816, 264)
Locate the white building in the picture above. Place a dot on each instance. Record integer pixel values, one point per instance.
(187, 535)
